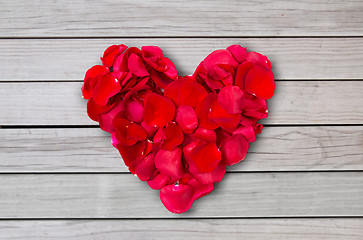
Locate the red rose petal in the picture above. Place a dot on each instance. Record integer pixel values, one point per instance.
(173, 136)
(260, 82)
(238, 52)
(94, 110)
(206, 157)
(200, 189)
(134, 111)
(159, 181)
(111, 53)
(241, 74)
(128, 133)
(230, 98)
(92, 73)
(106, 119)
(186, 118)
(169, 162)
(210, 177)
(258, 59)
(160, 78)
(215, 61)
(137, 66)
(203, 110)
(177, 198)
(234, 149)
(105, 87)
(131, 153)
(207, 135)
(158, 110)
(143, 168)
(222, 117)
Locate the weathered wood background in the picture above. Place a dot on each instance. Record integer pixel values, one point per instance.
(60, 178)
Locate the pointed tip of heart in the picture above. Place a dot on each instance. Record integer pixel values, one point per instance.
(179, 133)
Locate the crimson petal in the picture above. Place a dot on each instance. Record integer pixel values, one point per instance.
(170, 163)
(159, 181)
(177, 198)
(158, 110)
(234, 149)
(230, 98)
(206, 157)
(173, 136)
(260, 82)
(186, 118)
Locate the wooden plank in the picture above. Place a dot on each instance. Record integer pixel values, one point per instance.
(292, 58)
(124, 196)
(90, 150)
(253, 229)
(300, 102)
(188, 18)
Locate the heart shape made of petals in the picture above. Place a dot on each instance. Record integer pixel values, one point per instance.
(179, 133)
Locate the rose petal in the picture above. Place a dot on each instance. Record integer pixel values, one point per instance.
(106, 119)
(230, 98)
(200, 189)
(234, 149)
(169, 162)
(222, 117)
(128, 133)
(137, 66)
(210, 177)
(177, 198)
(92, 73)
(131, 153)
(238, 52)
(215, 64)
(203, 110)
(160, 78)
(105, 87)
(206, 157)
(159, 181)
(111, 53)
(260, 82)
(186, 118)
(143, 168)
(173, 136)
(241, 74)
(158, 110)
(134, 111)
(205, 134)
(258, 59)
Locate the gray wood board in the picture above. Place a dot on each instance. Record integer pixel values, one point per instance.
(180, 18)
(292, 58)
(90, 150)
(252, 229)
(125, 196)
(300, 102)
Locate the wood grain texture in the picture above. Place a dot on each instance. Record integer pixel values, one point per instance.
(125, 196)
(292, 58)
(300, 102)
(90, 150)
(253, 229)
(180, 18)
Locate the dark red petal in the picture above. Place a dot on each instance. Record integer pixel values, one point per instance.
(171, 71)
(260, 82)
(230, 98)
(134, 111)
(137, 66)
(186, 118)
(94, 110)
(200, 189)
(111, 53)
(92, 73)
(173, 136)
(158, 110)
(221, 135)
(222, 117)
(177, 198)
(169, 162)
(258, 59)
(234, 149)
(161, 79)
(131, 153)
(249, 132)
(106, 119)
(241, 74)
(238, 52)
(206, 157)
(151, 130)
(203, 110)
(214, 176)
(215, 60)
(185, 91)
(254, 107)
(206, 135)
(105, 87)
(128, 133)
(159, 181)
(143, 168)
